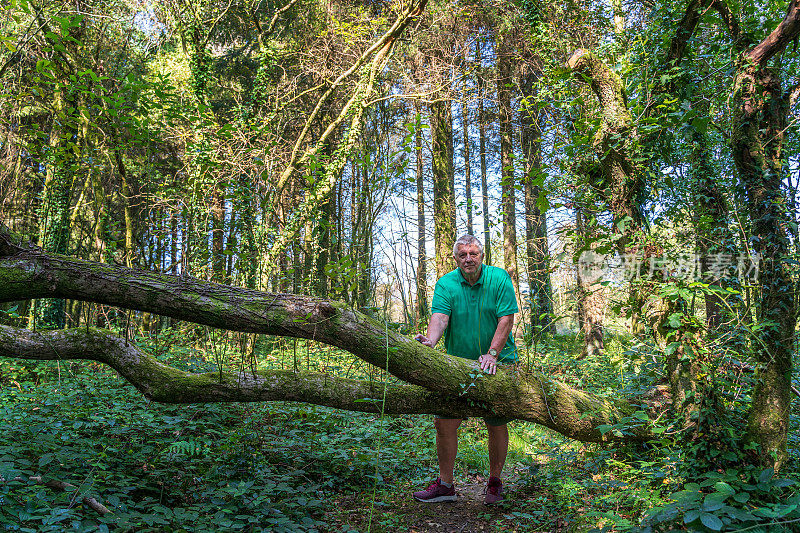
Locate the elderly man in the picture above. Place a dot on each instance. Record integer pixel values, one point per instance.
(473, 307)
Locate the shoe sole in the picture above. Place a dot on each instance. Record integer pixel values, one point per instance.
(438, 499)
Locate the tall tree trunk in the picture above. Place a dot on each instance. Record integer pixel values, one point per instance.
(364, 248)
(444, 209)
(248, 258)
(232, 245)
(757, 143)
(310, 249)
(53, 217)
(487, 240)
(174, 243)
(467, 162)
(591, 301)
(218, 212)
(716, 243)
(616, 147)
(507, 182)
(422, 267)
(537, 247)
(324, 235)
(760, 110)
(65, 143)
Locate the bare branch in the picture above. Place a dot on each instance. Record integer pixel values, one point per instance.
(66, 487)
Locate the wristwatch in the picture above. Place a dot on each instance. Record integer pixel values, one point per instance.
(493, 352)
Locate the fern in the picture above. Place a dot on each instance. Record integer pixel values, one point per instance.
(187, 448)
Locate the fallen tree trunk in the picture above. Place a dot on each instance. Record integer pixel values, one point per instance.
(438, 383)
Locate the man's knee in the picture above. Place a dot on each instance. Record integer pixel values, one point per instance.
(497, 432)
(446, 425)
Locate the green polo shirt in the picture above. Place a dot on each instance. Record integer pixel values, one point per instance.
(474, 312)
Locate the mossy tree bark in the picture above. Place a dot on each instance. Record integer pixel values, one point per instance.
(760, 109)
(507, 181)
(61, 159)
(444, 208)
(452, 386)
(591, 300)
(536, 242)
(617, 148)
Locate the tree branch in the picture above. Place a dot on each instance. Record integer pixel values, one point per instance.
(775, 42)
(685, 30)
(162, 383)
(66, 487)
(297, 161)
(728, 18)
(29, 273)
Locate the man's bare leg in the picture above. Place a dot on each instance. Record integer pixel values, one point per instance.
(498, 449)
(446, 446)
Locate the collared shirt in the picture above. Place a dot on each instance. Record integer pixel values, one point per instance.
(474, 312)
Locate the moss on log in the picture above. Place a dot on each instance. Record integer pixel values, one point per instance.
(444, 384)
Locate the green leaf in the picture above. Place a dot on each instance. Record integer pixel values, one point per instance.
(741, 497)
(783, 510)
(714, 501)
(741, 515)
(766, 475)
(691, 516)
(671, 347)
(701, 124)
(724, 488)
(543, 203)
(686, 496)
(711, 521)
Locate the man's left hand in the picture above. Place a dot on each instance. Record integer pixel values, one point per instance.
(488, 363)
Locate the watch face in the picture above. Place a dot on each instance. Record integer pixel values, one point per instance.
(493, 352)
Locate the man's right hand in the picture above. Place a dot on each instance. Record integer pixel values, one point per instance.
(436, 328)
(423, 340)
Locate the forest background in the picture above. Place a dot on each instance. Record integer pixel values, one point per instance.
(251, 202)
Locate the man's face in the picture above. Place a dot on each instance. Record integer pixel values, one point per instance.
(469, 258)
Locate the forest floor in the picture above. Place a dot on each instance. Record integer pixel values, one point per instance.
(400, 512)
(298, 468)
(468, 514)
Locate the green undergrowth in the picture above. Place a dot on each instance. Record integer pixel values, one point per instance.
(294, 467)
(249, 467)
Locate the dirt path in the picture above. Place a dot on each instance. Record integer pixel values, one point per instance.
(399, 512)
(466, 515)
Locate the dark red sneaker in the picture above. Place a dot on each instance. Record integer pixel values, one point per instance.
(436, 493)
(494, 491)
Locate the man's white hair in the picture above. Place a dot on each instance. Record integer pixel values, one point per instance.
(465, 240)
